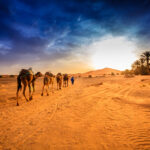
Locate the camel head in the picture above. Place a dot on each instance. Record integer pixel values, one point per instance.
(38, 74)
(59, 74)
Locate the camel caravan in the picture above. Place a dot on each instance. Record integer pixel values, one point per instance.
(27, 78)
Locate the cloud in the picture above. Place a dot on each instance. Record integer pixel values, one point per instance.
(48, 31)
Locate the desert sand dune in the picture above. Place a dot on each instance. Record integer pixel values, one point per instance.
(101, 72)
(109, 113)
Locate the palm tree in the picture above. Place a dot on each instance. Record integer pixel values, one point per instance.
(142, 60)
(146, 56)
(136, 67)
(137, 63)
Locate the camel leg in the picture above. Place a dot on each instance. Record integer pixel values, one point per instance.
(17, 94)
(52, 88)
(30, 95)
(42, 90)
(33, 86)
(24, 90)
(57, 85)
(47, 90)
(48, 86)
(32, 91)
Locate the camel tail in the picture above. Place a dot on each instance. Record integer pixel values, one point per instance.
(19, 82)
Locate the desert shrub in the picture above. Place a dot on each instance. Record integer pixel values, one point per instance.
(1, 76)
(125, 72)
(141, 71)
(122, 73)
(90, 76)
(144, 70)
(112, 73)
(12, 76)
(128, 73)
(104, 75)
(117, 73)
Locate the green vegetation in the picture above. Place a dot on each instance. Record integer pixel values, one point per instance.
(140, 66)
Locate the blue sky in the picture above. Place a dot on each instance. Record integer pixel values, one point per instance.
(58, 35)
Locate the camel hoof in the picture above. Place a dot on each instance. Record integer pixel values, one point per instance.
(30, 98)
(17, 104)
(47, 94)
(42, 94)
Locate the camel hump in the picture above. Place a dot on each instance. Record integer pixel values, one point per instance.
(65, 75)
(59, 74)
(25, 72)
(30, 72)
(49, 74)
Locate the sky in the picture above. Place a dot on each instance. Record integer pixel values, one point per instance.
(72, 35)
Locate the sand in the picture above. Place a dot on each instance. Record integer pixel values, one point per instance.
(100, 72)
(102, 113)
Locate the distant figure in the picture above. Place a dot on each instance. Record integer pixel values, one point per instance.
(72, 80)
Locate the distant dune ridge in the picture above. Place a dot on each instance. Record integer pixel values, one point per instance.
(99, 72)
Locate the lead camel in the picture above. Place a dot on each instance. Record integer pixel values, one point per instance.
(26, 78)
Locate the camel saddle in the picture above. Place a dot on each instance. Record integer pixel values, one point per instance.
(25, 72)
(49, 74)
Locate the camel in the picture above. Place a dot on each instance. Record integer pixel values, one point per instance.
(65, 80)
(59, 80)
(26, 78)
(48, 79)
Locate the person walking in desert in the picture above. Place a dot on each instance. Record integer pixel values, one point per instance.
(72, 80)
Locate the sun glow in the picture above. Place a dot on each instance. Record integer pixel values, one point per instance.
(114, 52)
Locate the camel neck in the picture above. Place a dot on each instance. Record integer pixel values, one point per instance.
(35, 77)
